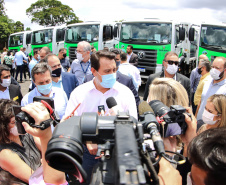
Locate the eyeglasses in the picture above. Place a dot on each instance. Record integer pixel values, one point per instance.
(171, 62)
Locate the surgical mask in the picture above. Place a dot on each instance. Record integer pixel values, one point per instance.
(79, 57)
(14, 131)
(64, 55)
(199, 70)
(189, 182)
(108, 81)
(172, 69)
(6, 82)
(215, 74)
(56, 72)
(39, 57)
(45, 89)
(208, 117)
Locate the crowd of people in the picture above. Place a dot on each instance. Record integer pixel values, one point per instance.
(85, 84)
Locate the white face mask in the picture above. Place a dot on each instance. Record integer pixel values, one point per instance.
(208, 117)
(6, 82)
(189, 182)
(14, 131)
(172, 69)
(215, 74)
(79, 57)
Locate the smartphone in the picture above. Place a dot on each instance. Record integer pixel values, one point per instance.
(50, 101)
(20, 127)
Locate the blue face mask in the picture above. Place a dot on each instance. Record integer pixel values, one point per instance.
(108, 80)
(44, 89)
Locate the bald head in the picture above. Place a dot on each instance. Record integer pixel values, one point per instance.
(43, 52)
(53, 61)
(203, 57)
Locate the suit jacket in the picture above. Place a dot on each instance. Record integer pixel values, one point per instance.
(15, 93)
(123, 79)
(179, 77)
(69, 82)
(133, 59)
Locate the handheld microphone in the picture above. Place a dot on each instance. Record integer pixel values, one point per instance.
(112, 105)
(151, 126)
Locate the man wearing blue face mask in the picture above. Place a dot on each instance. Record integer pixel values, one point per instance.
(41, 75)
(94, 93)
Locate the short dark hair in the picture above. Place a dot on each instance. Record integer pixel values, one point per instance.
(5, 116)
(116, 51)
(206, 63)
(123, 56)
(61, 49)
(40, 68)
(131, 47)
(3, 68)
(207, 152)
(170, 53)
(36, 52)
(95, 58)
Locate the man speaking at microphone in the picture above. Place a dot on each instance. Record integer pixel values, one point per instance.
(93, 94)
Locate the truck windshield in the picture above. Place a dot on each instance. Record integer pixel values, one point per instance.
(16, 40)
(146, 32)
(213, 36)
(79, 33)
(42, 36)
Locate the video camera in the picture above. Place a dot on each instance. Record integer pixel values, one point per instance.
(126, 160)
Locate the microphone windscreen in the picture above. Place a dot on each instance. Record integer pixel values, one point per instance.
(144, 107)
(111, 102)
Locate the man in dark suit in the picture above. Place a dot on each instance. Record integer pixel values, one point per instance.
(170, 63)
(132, 58)
(8, 90)
(68, 82)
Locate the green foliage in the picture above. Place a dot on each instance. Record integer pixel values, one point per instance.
(18, 27)
(50, 13)
(28, 29)
(2, 8)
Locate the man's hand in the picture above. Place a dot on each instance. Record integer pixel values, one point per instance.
(92, 148)
(168, 175)
(191, 127)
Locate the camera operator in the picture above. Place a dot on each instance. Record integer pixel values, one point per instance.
(170, 92)
(20, 155)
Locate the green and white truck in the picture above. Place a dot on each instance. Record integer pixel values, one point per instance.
(98, 34)
(212, 40)
(19, 40)
(52, 37)
(153, 38)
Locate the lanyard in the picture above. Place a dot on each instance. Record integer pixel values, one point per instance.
(86, 68)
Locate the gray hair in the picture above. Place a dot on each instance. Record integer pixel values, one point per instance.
(205, 63)
(40, 68)
(86, 46)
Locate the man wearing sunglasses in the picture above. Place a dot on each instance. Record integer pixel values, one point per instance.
(170, 64)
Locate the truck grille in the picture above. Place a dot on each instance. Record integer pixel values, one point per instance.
(147, 58)
(72, 55)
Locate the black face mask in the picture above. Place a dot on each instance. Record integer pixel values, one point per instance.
(64, 55)
(199, 71)
(56, 72)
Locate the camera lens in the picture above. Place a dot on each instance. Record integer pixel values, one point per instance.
(159, 108)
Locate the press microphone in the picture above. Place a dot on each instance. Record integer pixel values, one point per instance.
(112, 105)
(151, 126)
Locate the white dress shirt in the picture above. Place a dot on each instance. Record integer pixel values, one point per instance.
(57, 94)
(129, 56)
(131, 71)
(19, 57)
(5, 94)
(90, 98)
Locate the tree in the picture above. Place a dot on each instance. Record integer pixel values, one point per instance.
(50, 13)
(18, 26)
(28, 29)
(2, 8)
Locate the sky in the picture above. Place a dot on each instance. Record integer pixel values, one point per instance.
(194, 11)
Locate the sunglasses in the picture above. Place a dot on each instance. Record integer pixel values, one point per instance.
(170, 62)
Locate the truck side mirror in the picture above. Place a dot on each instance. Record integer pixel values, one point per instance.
(115, 31)
(181, 33)
(107, 35)
(191, 35)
